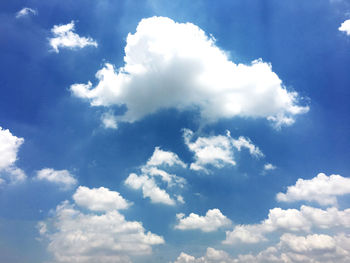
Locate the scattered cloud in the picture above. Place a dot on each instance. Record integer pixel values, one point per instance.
(321, 189)
(65, 37)
(212, 256)
(290, 220)
(198, 74)
(9, 146)
(212, 221)
(269, 167)
(161, 157)
(75, 236)
(345, 27)
(216, 151)
(109, 120)
(99, 199)
(63, 178)
(26, 11)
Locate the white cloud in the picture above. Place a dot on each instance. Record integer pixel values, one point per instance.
(109, 121)
(65, 37)
(322, 189)
(161, 157)
(170, 179)
(212, 221)
(345, 27)
(176, 65)
(269, 167)
(216, 151)
(290, 220)
(9, 146)
(149, 189)
(314, 248)
(75, 236)
(26, 11)
(61, 177)
(99, 199)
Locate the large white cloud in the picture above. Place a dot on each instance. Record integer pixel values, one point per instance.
(176, 65)
(63, 178)
(212, 221)
(290, 220)
(217, 151)
(91, 237)
(345, 27)
(65, 37)
(9, 146)
(322, 189)
(99, 199)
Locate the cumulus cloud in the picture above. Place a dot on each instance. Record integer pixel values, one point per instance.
(161, 157)
(99, 199)
(345, 27)
(153, 174)
(321, 189)
(176, 65)
(65, 37)
(216, 151)
(290, 220)
(26, 11)
(312, 248)
(212, 221)
(75, 236)
(63, 178)
(9, 146)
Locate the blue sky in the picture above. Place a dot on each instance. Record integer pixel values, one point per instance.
(174, 131)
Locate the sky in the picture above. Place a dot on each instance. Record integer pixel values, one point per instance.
(174, 131)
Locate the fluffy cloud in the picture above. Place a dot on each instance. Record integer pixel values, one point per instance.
(322, 189)
(176, 65)
(161, 157)
(149, 189)
(61, 177)
(9, 146)
(99, 199)
(26, 11)
(290, 220)
(92, 238)
(345, 27)
(212, 221)
(65, 37)
(291, 248)
(218, 150)
(151, 172)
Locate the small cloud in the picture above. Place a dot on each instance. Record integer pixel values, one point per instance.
(109, 121)
(269, 167)
(345, 27)
(65, 37)
(62, 177)
(26, 11)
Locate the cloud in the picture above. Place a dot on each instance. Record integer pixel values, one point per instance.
(216, 151)
(345, 27)
(212, 221)
(269, 167)
(109, 121)
(290, 220)
(176, 65)
(99, 199)
(291, 248)
(26, 11)
(75, 236)
(63, 178)
(9, 146)
(151, 176)
(65, 37)
(321, 189)
(149, 189)
(161, 157)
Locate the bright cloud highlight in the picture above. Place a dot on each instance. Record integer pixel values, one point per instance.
(176, 65)
(345, 27)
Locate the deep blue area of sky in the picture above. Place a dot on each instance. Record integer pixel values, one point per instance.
(299, 38)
